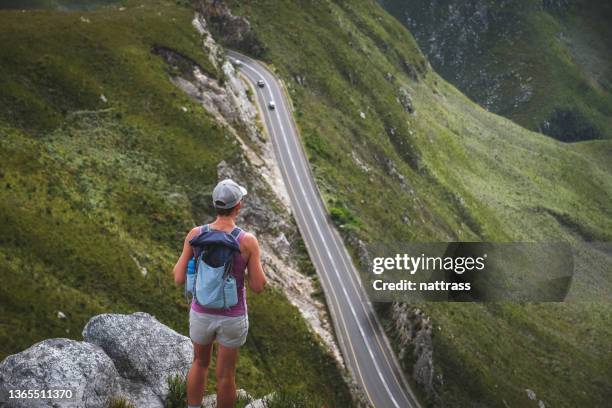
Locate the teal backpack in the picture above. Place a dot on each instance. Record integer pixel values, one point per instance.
(211, 282)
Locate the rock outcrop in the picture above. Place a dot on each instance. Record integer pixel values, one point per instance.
(234, 31)
(143, 350)
(413, 330)
(405, 100)
(128, 356)
(210, 401)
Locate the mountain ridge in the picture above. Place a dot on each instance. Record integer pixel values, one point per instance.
(543, 64)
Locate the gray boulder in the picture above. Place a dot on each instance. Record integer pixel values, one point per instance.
(64, 364)
(144, 350)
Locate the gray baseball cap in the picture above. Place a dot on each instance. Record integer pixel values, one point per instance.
(227, 194)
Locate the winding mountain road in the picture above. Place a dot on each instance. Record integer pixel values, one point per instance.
(363, 343)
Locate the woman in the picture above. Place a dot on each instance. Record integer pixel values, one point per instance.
(228, 327)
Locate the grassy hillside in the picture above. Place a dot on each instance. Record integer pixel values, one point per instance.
(104, 167)
(449, 171)
(56, 4)
(544, 64)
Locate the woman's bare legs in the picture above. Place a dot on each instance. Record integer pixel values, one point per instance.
(198, 373)
(226, 376)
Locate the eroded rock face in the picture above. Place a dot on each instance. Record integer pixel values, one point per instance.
(235, 31)
(414, 334)
(406, 100)
(81, 367)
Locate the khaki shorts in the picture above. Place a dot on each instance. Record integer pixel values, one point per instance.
(229, 331)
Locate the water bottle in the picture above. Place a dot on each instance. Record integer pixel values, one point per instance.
(191, 275)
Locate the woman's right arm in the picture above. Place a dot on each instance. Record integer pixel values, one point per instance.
(257, 280)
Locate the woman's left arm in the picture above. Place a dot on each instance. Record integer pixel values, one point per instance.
(181, 265)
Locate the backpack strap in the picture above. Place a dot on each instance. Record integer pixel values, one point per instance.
(204, 228)
(235, 232)
(229, 266)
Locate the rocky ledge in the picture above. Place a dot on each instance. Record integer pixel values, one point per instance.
(122, 356)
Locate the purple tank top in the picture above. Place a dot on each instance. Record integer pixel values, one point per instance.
(240, 308)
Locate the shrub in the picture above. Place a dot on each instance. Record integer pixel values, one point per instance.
(120, 402)
(177, 392)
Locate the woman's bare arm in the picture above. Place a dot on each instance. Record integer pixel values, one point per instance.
(181, 265)
(257, 280)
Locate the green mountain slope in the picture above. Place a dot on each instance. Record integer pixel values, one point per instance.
(544, 64)
(55, 4)
(448, 171)
(104, 167)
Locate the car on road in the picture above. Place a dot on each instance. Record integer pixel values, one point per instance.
(261, 83)
(272, 105)
(237, 63)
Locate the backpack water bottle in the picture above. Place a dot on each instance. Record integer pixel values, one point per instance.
(191, 277)
(214, 286)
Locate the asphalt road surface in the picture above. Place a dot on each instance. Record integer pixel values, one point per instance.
(363, 343)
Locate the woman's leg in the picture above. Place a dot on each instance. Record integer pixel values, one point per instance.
(198, 373)
(226, 376)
